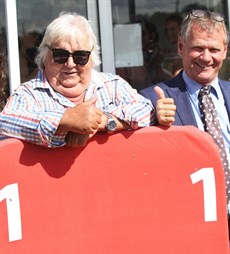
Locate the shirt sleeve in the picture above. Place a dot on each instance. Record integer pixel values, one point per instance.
(127, 105)
(23, 117)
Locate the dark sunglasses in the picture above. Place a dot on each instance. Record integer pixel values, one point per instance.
(61, 55)
(219, 17)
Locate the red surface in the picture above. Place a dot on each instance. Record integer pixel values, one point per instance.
(125, 193)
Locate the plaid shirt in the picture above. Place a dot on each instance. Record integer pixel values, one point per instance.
(34, 110)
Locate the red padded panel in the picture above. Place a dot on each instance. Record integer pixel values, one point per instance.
(126, 193)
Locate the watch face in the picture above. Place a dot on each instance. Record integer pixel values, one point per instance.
(111, 125)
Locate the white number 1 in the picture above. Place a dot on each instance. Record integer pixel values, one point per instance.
(11, 194)
(209, 190)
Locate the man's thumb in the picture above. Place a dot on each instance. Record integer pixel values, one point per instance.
(159, 92)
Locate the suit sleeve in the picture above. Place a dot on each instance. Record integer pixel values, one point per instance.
(149, 94)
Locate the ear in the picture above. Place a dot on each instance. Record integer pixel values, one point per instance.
(180, 46)
(225, 52)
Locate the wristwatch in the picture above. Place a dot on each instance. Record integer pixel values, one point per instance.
(111, 124)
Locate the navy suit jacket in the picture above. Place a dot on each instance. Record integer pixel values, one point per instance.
(175, 88)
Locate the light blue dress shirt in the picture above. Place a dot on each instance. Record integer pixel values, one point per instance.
(218, 100)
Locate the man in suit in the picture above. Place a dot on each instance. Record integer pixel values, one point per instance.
(176, 88)
(202, 44)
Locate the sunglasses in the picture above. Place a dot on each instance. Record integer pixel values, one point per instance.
(61, 56)
(208, 14)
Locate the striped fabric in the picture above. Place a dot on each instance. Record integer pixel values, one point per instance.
(34, 110)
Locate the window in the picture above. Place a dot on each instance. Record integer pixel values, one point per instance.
(145, 38)
(33, 17)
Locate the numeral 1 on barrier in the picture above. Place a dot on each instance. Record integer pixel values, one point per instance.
(207, 176)
(11, 195)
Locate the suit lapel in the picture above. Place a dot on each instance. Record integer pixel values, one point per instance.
(225, 88)
(176, 89)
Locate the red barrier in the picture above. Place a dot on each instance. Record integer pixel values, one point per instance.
(134, 192)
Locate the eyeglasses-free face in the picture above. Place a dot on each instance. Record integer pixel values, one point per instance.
(61, 56)
(207, 14)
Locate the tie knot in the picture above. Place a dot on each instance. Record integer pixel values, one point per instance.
(205, 90)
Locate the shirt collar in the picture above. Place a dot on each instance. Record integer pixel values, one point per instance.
(193, 87)
(41, 82)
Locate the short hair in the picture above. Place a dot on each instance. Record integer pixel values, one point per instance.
(63, 28)
(205, 22)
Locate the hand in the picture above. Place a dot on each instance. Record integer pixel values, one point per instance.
(165, 108)
(84, 118)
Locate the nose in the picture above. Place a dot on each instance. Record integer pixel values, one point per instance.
(70, 61)
(206, 55)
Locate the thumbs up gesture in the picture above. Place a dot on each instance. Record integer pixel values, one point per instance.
(165, 108)
(84, 118)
